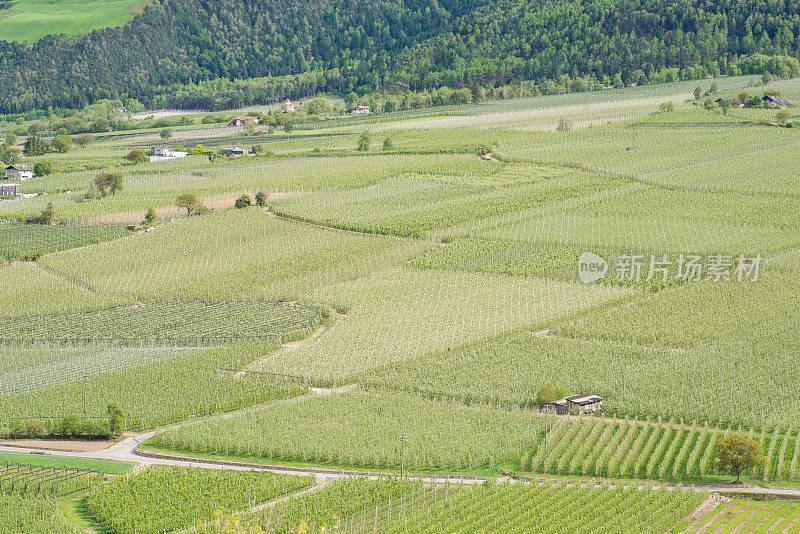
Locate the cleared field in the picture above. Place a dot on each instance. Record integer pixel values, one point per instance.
(403, 506)
(152, 384)
(164, 499)
(741, 515)
(30, 20)
(362, 429)
(176, 321)
(23, 241)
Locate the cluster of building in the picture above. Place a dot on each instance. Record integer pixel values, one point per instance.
(576, 404)
(17, 174)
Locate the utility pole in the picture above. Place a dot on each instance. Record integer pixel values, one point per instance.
(403, 439)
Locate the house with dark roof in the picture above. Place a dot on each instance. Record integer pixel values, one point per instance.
(775, 101)
(18, 173)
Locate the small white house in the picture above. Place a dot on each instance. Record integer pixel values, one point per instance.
(18, 173)
(161, 153)
(361, 110)
(288, 106)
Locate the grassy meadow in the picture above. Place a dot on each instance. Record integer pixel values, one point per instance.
(30, 20)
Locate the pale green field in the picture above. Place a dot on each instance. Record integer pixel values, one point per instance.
(30, 20)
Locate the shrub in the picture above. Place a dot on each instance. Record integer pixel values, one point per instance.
(261, 199)
(243, 201)
(363, 141)
(136, 156)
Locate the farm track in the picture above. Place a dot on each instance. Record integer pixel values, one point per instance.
(128, 451)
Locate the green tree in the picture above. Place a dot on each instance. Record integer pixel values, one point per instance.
(388, 144)
(83, 140)
(42, 168)
(188, 201)
(546, 395)
(288, 128)
(735, 453)
(726, 105)
(11, 138)
(363, 141)
(11, 155)
(116, 419)
(782, 117)
(108, 183)
(166, 133)
(35, 146)
(137, 155)
(698, 92)
(261, 199)
(62, 143)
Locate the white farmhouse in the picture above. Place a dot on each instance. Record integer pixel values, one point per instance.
(165, 153)
(18, 173)
(361, 110)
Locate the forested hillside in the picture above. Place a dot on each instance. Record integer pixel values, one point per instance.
(364, 45)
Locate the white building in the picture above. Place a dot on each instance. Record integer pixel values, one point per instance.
(288, 106)
(161, 153)
(18, 173)
(361, 110)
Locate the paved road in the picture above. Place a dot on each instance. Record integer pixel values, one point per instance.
(127, 451)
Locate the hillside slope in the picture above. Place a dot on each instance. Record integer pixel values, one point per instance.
(343, 45)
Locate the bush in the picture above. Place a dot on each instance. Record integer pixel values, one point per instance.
(363, 141)
(150, 218)
(261, 199)
(243, 201)
(136, 156)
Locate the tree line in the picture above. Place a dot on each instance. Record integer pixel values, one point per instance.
(219, 54)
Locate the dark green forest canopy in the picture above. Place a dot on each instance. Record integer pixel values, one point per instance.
(343, 45)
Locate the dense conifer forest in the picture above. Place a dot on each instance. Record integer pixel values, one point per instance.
(261, 50)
